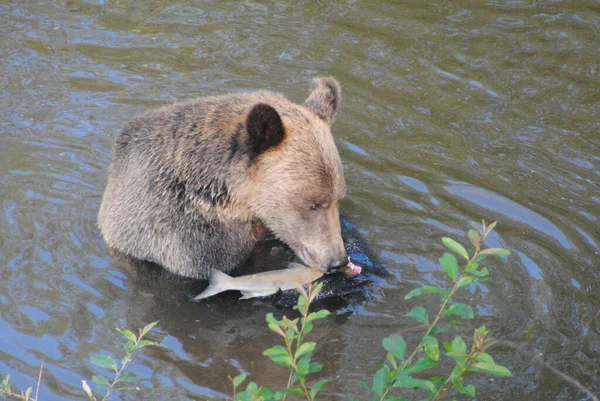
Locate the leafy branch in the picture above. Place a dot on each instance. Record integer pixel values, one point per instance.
(400, 369)
(122, 380)
(294, 355)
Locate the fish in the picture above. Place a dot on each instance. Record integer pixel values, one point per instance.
(260, 284)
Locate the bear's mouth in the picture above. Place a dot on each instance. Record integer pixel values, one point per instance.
(307, 259)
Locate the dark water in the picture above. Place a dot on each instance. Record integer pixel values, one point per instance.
(452, 111)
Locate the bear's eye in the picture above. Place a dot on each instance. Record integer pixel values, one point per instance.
(316, 206)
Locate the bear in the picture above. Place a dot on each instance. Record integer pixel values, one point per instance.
(194, 185)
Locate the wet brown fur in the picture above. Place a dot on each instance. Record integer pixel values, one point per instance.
(187, 181)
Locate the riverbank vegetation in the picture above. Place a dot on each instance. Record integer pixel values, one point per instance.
(405, 367)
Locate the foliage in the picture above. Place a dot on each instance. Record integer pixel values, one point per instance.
(399, 370)
(295, 354)
(6, 388)
(122, 381)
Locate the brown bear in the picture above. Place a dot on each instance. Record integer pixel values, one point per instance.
(193, 185)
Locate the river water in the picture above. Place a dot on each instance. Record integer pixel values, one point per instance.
(452, 111)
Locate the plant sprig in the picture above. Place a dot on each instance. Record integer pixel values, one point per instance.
(6, 388)
(122, 380)
(400, 370)
(294, 355)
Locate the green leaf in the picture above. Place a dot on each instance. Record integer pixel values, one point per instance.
(458, 344)
(276, 329)
(495, 251)
(380, 379)
(456, 372)
(474, 237)
(420, 365)
(480, 257)
(432, 348)
(239, 379)
(468, 390)
(318, 315)
(489, 228)
(290, 334)
(454, 323)
(145, 343)
(395, 345)
(305, 348)
(275, 350)
(495, 370)
(252, 387)
(459, 357)
(146, 329)
(465, 280)
(303, 365)
(128, 334)
(394, 398)
(392, 360)
(457, 349)
(128, 377)
(410, 382)
(265, 393)
(317, 387)
(426, 288)
(307, 328)
(293, 390)
(455, 247)
(481, 273)
(104, 361)
(437, 330)
(271, 320)
(462, 310)
(129, 347)
(244, 396)
(101, 380)
(471, 267)
(301, 305)
(420, 314)
(485, 358)
(450, 264)
(314, 367)
(279, 355)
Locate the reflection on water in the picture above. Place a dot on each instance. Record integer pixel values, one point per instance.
(452, 111)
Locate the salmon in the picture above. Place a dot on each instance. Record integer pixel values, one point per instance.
(260, 284)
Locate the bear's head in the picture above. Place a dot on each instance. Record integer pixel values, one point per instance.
(298, 179)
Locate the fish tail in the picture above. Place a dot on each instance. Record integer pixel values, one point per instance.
(217, 282)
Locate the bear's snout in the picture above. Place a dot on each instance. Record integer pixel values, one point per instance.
(327, 264)
(337, 263)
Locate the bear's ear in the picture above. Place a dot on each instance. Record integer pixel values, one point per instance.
(264, 127)
(325, 98)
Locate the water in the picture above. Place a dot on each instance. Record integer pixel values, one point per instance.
(451, 112)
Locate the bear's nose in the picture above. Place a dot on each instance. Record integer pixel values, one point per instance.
(337, 263)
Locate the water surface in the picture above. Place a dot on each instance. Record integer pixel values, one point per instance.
(452, 111)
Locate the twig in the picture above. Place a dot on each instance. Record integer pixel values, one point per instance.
(39, 381)
(554, 370)
(438, 316)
